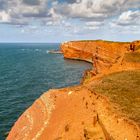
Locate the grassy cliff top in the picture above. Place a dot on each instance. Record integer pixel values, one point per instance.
(132, 57)
(123, 88)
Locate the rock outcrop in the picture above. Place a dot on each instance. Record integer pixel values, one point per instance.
(103, 54)
(106, 56)
(77, 113)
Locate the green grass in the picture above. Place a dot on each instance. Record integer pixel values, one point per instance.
(122, 88)
(132, 57)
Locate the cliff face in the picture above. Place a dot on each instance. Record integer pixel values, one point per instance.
(106, 56)
(103, 54)
(84, 50)
(77, 112)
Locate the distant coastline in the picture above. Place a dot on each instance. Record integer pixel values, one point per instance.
(54, 51)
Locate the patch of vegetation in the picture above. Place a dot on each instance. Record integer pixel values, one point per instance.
(59, 138)
(67, 128)
(132, 57)
(86, 105)
(83, 98)
(122, 88)
(138, 48)
(82, 123)
(86, 134)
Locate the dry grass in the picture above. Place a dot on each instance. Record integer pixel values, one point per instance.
(67, 127)
(137, 48)
(132, 57)
(122, 88)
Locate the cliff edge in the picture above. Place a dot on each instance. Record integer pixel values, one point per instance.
(80, 112)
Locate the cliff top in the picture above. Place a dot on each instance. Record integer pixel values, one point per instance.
(123, 89)
(99, 40)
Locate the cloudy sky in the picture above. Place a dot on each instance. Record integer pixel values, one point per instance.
(63, 20)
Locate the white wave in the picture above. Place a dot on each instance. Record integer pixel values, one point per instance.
(37, 50)
(47, 51)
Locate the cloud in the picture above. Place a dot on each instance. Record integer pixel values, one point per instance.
(21, 12)
(127, 22)
(2, 5)
(129, 18)
(31, 2)
(97, 9)
(68, 1)
(92, 14)
(93, 25)
(4, 17)
(95, 13)
(82, 9)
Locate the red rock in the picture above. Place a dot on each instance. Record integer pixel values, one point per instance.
(107, 52)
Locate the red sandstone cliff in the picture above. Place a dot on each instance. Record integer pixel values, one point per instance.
(84, 50)
(76, 113)
(104, 55)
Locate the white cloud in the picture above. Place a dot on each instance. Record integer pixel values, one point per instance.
(92, 27)
(21, 11)
(129, 18)
(97, 9)
(127, 22)
(90, 14)
(66, 24)
(4, 17)
(95, 13)
(94, 23)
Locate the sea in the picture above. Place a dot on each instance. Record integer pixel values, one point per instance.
(26, 71)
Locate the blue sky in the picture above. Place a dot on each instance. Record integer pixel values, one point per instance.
(64, 20)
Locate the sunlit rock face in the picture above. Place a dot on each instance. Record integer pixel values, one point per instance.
(102, 53)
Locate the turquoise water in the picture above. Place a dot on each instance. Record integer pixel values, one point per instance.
(26, 71)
